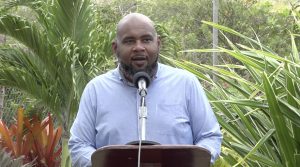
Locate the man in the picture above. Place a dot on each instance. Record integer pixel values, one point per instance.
(178, 110)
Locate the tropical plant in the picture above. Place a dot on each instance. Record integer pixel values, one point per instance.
(7, 161)
(55, 52)
(45, 139)
(258, 107)
(33, 139)
(13, 138)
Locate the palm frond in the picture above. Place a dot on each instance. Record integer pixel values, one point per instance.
(25, 32)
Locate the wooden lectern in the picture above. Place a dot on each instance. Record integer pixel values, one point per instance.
(151, 156)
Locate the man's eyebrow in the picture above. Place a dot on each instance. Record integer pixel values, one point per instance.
(143, 36)
(128, 37)
(147, 36)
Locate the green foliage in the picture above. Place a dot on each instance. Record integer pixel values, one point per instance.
(12, 100)
(54, 52)
(260, 113)
(54, 55)
(256, 19)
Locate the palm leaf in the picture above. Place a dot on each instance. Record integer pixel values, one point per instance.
(283, 135)
(259, 143)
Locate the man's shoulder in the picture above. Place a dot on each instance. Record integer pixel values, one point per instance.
(109, 76)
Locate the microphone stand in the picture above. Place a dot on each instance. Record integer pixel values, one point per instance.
(143, 115)
(142, 81)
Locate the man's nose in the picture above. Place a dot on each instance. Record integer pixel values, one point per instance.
(139, 46)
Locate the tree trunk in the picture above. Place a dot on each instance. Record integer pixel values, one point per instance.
(215, 34)
(2, 88)
(2, 93)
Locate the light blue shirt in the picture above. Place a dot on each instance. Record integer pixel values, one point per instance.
(178, 113)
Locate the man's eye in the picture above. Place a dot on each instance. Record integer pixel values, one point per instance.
(147, 40)
(128, 41)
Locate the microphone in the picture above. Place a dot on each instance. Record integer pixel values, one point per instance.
(141, 81)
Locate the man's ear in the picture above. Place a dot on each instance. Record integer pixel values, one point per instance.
(158, 41)
(114, 46)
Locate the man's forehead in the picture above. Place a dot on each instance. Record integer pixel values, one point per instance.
(140, 25)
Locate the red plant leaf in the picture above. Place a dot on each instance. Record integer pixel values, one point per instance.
(5, 137)
(39, 141)
(27, 144)
(19, 134)
(50, 135)
(55, 140)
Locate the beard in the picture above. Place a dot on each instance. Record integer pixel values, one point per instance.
(129, 71)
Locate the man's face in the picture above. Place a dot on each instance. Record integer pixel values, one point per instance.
(137, 47)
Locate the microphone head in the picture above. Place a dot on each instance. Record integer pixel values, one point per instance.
(141, 75)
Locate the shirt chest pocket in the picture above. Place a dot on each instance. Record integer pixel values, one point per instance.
(172, 119)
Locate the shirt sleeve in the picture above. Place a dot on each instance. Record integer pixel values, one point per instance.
(205, 127)
(82, 140)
